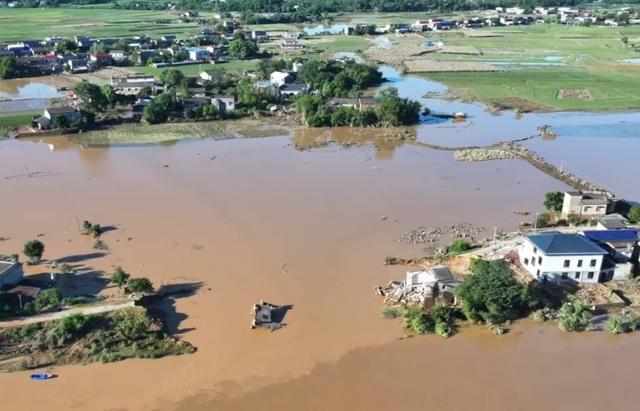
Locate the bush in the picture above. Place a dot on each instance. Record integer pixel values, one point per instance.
(443, 329)
(615, 325)
(634, 214)
(458, 246)
(543, 220)
(493, 294)
(574, 316)
(139, 285)
(69, 328)
(417, 320)
(50, 298)
(634, 321)
(130, 323)
(574, 219)
(68, 301)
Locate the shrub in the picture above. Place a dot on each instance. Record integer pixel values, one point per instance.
(69, 328)
(459, 246)
(443, 329)
(634, 214)
(542, 220)
(139, 285)
(574, 219)
(615, 325)
(574, 316)
(417, 320)
(119, 277)
(634, 321)
(50, 298)
(130, 323)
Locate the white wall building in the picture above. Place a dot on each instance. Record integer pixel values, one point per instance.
(585, 205)
(556, 256)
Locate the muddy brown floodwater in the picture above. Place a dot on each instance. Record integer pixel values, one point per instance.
(228, 215)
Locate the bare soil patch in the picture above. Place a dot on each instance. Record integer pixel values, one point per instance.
(520, 104)
(574, 94)
(435, 66)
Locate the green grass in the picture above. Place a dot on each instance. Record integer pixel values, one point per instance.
(591, 62)
(15, 120)
(195, 69)
(23, 24)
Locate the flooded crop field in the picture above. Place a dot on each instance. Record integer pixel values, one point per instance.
(306, 219)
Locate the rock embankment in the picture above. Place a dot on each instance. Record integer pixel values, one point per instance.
(426, 234)
(543, 165)
(482, 154)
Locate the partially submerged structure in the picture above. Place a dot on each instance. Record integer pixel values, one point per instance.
(425, 288)
(585, 205)
(10, 272)
(267, 315)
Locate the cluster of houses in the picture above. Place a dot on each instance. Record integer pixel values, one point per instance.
(608, 250)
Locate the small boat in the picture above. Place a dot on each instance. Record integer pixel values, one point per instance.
(42, 376)
(459, 114)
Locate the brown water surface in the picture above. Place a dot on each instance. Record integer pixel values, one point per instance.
(227, 216)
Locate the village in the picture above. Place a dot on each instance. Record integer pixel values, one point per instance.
(583, 254)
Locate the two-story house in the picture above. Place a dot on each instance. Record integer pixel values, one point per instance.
(555, 256)
(585, 205)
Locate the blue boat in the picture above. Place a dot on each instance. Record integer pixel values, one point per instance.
(42, 376)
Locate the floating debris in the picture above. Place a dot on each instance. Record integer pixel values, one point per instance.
(424, 288)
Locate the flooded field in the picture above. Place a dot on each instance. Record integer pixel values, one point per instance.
(307, 219)
(227, 216)
(24, 94)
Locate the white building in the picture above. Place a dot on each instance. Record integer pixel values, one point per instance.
(280, 78)
(224, 103)
(556, 256)
(197, 54)
(585, 205)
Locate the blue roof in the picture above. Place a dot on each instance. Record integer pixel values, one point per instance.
(554, 243)
(612, 235)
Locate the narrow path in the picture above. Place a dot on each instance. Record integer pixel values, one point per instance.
(88, 310)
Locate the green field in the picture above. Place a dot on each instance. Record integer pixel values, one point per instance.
(584, 59)
(195, 69)
(34, 24)
(17, 119)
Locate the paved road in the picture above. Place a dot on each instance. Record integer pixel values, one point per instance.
(88, 310)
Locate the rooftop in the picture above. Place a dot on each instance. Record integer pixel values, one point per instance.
(60, 110)
(554, 243)
(6, 266)
(612, 235)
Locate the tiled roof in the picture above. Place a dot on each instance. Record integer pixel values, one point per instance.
(554, 243)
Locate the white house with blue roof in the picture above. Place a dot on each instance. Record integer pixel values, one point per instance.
(555, 256)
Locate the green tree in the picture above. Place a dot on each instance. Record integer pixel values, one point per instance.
(172, 77)
(34, 249)
(634, 214)
(8, 67)
(395, 111)
(240, 48)
(616, 325)
(120, 277)
(553, 200)
(109, 94)
(492, 293)
(66, 46)
(139, 285)
(90, 97)
(69, 328)
(574, 219)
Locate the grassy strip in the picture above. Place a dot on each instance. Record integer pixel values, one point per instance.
(116, 336)
(15, 120)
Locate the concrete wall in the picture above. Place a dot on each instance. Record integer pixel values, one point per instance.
(538, 265)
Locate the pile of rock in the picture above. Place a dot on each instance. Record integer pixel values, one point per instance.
(482, 154)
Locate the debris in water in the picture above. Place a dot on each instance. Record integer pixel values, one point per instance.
(267, 315)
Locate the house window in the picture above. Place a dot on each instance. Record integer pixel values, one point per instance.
(565, 275)
(579, 263)
(538, 273)
(567, 263)
(593, 263)
(526, 261)
(533, 261)
(535, 250)
(577, 276)
(590, 275)
(539, 260)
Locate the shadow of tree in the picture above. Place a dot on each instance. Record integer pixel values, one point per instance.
(80, 257)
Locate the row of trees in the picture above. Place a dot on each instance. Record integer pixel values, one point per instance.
(390, 110)
(9, 68)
